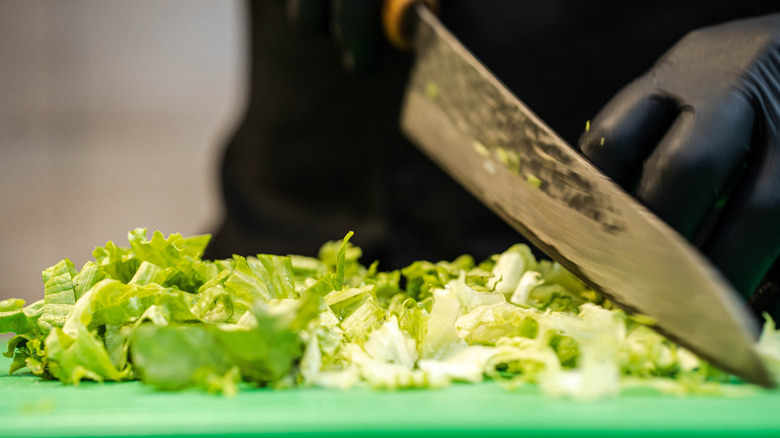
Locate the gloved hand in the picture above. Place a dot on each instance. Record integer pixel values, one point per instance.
(697, 140)
(356, 26)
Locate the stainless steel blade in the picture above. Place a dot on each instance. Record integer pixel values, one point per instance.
(482, 135)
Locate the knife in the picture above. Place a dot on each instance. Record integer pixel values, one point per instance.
(458, 113)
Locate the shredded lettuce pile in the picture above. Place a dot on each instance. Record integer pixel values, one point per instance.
(156, 311)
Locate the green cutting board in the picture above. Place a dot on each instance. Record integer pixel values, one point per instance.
(33, 407)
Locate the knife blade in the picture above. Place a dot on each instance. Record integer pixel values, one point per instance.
(478, 131)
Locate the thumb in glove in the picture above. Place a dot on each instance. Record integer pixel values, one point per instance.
(697, 140)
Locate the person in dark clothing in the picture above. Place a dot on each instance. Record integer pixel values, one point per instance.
(319, 151)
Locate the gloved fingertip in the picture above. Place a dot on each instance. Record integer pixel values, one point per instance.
(591, 139)
(596, 143)
(625, 131)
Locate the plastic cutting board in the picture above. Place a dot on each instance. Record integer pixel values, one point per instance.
(33, 407)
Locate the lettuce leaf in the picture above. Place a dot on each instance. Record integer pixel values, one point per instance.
(155, 311)
(59, 296)
(177, 356)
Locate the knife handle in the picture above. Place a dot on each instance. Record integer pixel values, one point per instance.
(398, 22)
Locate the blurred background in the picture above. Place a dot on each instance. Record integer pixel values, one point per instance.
(112, 116)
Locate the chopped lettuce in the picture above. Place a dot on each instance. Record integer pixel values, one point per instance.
(155, 311)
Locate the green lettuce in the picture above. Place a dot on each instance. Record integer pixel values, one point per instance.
(177, 356)
(155, 311)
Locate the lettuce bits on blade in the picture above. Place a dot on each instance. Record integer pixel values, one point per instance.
(157, 312)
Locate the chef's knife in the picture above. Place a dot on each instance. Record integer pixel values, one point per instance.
(467, 121)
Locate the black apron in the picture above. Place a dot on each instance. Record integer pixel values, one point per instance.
(319, 152)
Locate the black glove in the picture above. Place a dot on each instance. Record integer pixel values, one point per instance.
(697, 140)
(356, 26)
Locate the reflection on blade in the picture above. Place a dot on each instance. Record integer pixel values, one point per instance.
(480, 133)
